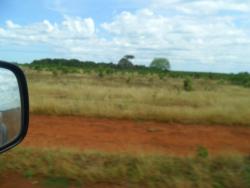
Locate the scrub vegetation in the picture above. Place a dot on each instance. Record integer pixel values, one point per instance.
(61, 87)
(58, 167)
(126, 91)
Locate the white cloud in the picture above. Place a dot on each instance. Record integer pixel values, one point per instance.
(49, 26)
(47, 32)
(144, 22)
(201, 39)
(57, 6)
(184, 31)
(202, 6)
(78, 25)
(11, 25)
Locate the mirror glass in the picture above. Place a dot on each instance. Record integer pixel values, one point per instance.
(10, 107)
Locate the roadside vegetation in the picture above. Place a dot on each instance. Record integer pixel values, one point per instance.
(126, 91)
(58, 167)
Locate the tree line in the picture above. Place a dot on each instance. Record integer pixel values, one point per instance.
(160, 66)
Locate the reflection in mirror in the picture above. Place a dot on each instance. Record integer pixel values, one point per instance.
(10, 107)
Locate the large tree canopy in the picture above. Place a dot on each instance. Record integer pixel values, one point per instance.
(125, 62)
(161, 64)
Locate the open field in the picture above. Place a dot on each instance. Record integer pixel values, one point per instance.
(130, 130)
(133, 96)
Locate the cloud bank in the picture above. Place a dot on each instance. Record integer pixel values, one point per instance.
(190, 33)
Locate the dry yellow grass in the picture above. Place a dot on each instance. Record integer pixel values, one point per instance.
(142, 97)
(125, 170)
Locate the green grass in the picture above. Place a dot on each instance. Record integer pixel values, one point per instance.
(133, 96)
(58, 167)
(56, 183)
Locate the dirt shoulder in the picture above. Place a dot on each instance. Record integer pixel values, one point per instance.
(135, 136)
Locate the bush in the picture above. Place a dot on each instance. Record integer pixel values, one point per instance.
(64, 70)
(55, 73)
(161, 76)
(100, 74)
(241, 79)
(202, 152)
(37, 68)
(187, 84)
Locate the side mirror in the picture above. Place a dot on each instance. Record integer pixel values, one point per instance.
(14, 106)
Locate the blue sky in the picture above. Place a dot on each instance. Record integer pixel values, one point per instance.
(205, 35)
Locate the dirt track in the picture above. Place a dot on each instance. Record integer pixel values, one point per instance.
(124, 135)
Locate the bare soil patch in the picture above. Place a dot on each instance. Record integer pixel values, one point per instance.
(133, 136)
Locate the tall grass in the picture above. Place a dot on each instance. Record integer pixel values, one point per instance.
(128, 170)
(143, 97)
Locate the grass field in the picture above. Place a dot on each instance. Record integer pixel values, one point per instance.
(133, 96)
(58, 167)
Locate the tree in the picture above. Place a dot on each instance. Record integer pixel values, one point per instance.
(161, 64)
(125, 62)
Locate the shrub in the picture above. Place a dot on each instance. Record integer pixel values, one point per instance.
(187, 84)
(55, 73)
(128, 80)
(37, 68)
(202, 152)
(161, 76)
(64, 70)
(241, 79)
(100, 74)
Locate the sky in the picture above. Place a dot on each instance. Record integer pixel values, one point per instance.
(9, 91)
(195, 35)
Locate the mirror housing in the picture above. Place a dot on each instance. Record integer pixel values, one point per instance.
(17, 116)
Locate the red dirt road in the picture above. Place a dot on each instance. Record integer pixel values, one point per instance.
(132, 136)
